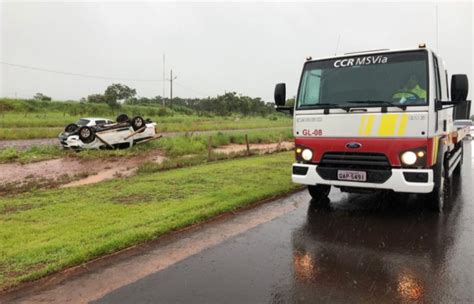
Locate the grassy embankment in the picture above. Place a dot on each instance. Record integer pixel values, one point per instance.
(46, 231)
(172, 146)
(23, 119)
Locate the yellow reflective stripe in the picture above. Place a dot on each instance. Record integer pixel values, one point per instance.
(388, 124)
(362, 124)
(370, 123)
(403, 124)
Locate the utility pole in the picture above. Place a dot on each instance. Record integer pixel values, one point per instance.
(171, 84)
(164, 82)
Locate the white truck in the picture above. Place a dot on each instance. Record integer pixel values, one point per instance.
(378, 120)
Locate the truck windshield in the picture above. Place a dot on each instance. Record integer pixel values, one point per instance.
(398, 79)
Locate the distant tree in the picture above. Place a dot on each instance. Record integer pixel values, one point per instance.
(472, 117)
(119, 91)
(42, 97)
(96, 98)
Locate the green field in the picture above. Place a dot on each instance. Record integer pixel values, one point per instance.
(172, 146)
(46, 231)
(21, 119)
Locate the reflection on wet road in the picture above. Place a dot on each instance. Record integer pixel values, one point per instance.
(362, 248)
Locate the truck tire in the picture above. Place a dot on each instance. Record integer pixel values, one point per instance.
(437, 197)
(122, 118)
(318, 193)
(137, 123)
(71, 128)
(86, 134)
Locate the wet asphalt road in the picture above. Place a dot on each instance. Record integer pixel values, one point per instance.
(360, 249)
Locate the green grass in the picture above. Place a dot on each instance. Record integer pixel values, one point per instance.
(46, 231)
(33, 119)
(172, 146)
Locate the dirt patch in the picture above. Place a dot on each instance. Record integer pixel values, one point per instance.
(259, 148)
(73, 172)
(69, 172)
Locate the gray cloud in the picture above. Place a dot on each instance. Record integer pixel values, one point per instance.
(212, 47)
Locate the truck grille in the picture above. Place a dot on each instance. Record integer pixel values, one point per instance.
(355, 160)
(376, 165)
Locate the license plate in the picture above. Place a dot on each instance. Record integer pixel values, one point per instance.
(358, 176)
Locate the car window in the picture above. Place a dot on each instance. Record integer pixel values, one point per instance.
(82, 122)
(100, 122)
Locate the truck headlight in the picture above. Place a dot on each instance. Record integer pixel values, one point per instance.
(409, 158)
(307, 154)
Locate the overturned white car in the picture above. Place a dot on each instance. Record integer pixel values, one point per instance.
(102, 133)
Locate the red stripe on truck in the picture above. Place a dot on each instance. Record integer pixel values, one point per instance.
(391, 147)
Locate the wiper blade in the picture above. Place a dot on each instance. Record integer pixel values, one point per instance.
(378, 102)
(329, 106)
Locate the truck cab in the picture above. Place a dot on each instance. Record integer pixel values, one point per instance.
(377, 120)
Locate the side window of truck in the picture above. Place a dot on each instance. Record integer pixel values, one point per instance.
(311, 87)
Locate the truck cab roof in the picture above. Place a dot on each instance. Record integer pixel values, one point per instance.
(370, 52)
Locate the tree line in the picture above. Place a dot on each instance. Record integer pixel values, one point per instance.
(226, 104)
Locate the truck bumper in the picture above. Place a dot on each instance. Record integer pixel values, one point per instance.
(396, 182)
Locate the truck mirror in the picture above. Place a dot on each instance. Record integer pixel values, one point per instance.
(280, 94)
(459, 87)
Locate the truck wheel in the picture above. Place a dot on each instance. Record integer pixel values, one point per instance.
(138, 122)
(71, 128)
(437, 197)
(318, 193)
(86, 134)
(122, 118)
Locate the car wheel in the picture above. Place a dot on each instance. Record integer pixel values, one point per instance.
(138, 122)
(71, 128)
(122, 118)
(86, 134)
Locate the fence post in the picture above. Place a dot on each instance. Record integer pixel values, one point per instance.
(209, 148)
(247, 143)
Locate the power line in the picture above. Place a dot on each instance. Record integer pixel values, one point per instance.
(79, 74)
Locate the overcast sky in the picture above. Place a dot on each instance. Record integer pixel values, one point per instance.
(211, 47)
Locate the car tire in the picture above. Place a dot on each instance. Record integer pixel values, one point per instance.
(71, 128)
(137, 123)
(319, 193)
(122, 118)
(86, 134)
